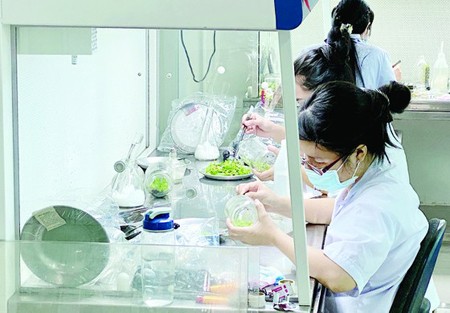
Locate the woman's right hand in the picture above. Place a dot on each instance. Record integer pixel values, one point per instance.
(262, 127)
(257, 190)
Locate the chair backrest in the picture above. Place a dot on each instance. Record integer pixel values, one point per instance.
(412, 289)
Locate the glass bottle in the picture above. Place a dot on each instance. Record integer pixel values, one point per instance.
(158, 181)
(207, 149)
(127, 187)
(255, 154)
(158, 257)
(423, 74)
(241, 210)
(439, 83)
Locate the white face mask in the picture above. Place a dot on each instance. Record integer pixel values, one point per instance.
(329, 181)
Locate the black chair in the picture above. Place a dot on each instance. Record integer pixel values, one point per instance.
(410, 297)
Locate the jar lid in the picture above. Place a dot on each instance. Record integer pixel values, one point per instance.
(158, 219)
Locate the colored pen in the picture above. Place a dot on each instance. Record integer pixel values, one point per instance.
(396, 63)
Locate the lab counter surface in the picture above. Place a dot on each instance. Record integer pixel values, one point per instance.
(205, 197)
(53, 301)
(426, 109)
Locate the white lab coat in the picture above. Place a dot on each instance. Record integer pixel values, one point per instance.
(375, 65)
(374, 235)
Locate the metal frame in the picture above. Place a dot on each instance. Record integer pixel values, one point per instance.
(270, 15)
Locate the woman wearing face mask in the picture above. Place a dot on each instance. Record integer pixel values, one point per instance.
(313, 67)
(370, 63)
(325, 63)
(376, 226)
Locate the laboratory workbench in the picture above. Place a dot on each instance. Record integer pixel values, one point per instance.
(426, 109)
(206, 198)
(52, 300)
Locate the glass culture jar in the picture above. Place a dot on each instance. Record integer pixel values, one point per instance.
(256, 154)
(241, 210)
(158, 181)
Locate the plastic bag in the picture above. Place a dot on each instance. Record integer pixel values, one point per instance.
(186, 120)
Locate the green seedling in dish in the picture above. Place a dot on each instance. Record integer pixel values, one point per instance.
(227, 168)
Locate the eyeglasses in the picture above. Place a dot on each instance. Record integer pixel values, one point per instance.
(317, 170)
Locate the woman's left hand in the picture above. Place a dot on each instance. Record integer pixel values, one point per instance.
(263, 232)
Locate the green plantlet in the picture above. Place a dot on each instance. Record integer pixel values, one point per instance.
(227, 168)
(242, 223)
(260, 166)
(160, 185)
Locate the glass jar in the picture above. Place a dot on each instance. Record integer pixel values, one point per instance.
(241, 210)
(158, 181)
(158, 257)
(127, 186)
(254, 153)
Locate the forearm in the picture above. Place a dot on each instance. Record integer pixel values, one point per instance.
(285, 244)
(319, 210)
(282, 206)
(321, 267)
(327, 272)
(278, 133)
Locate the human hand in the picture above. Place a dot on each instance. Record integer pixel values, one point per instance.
(258, 191)
(264, 176)
(263, 232)
(268, 174)
(397, 71)
(262, 127)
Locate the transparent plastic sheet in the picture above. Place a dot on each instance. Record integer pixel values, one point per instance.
(107, 212)
(187, 117)
(198, 232)
(205, 276)
(275, 116)
(101, 206)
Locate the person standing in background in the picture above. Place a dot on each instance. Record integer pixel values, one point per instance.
(371, 64)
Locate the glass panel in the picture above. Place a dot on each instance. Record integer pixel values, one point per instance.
(227, 60)
(89, 277)
(81, 98)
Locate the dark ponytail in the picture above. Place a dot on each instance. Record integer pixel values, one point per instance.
(357, 14)
(340, 116)
(354, 12)
(343, 47)
(326, 63)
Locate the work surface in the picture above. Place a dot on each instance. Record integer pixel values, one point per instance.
(195, 198)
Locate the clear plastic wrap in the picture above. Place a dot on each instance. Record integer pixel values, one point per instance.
(67, 261)
(187, 117)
